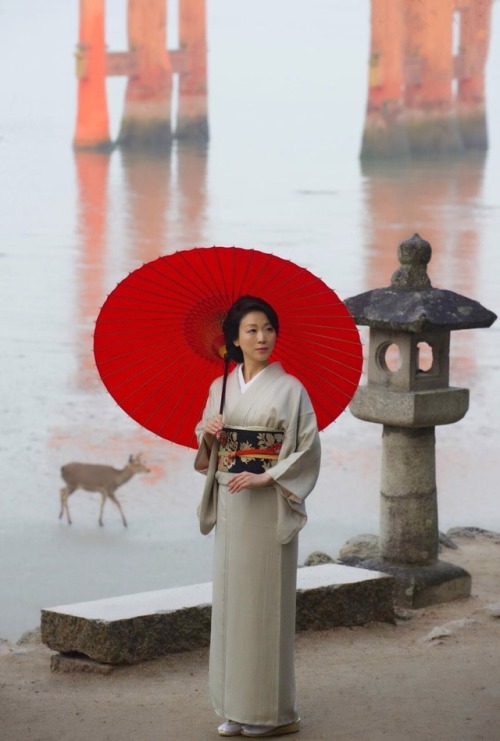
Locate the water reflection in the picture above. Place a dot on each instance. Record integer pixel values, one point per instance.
(439, 200)
(92, 177)
(192, 164)
(147, 203)
(161, 208)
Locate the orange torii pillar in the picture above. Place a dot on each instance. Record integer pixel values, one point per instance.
(383, 135)
(429, 115)
(146, 119)
(92, 124)
(192, 119)
(470, 64)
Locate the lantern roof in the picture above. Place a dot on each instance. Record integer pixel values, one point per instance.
(412, 304)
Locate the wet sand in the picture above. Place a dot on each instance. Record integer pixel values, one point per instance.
(379, 681)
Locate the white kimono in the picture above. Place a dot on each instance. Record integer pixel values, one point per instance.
(252, 672)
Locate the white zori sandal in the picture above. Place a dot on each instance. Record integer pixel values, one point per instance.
(230, 728)
(261, 731)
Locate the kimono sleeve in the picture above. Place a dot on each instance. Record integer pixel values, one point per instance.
(206, 462)
(297, 470)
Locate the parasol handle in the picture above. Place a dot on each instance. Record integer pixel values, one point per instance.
(224, 382)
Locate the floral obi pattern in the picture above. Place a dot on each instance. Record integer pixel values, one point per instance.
(249, 449)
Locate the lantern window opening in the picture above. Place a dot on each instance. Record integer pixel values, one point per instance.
(426, 360)
(389, 357)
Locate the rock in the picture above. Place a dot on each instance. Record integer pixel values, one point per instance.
(437, 633)
(447, 542)
(6, 646)
(401, 614)
(460, 532)
(361, 547)
(463, 623)
(350, 560)
(449, 629)
(318, 557)
(493, 609)
(31, 637)
(472, 532)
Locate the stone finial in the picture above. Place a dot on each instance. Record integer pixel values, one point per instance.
(413, 254)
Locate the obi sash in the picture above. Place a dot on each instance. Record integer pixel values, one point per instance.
(254, 449)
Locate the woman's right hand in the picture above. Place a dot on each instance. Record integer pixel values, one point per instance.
(213, 426)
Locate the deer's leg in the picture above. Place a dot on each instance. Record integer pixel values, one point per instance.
(103, 500)
(65, 492)
(115, 500)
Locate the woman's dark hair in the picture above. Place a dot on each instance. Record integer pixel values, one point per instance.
(231, 325)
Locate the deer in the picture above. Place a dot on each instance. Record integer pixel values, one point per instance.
(96, 477)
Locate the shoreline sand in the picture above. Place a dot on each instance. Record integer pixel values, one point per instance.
(433, 675)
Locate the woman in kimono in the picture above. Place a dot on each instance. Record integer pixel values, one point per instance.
(261, 459)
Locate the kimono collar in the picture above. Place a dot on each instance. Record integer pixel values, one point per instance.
(241, 379)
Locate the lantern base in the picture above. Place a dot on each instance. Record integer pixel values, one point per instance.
(420, 586)
(377, 404)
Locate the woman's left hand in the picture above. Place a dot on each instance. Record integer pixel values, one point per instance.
(247, 480)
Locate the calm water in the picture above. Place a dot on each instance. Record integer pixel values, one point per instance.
(281, 174)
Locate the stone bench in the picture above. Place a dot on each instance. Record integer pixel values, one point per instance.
(138, 627)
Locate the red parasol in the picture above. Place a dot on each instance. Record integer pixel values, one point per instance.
(158, 340)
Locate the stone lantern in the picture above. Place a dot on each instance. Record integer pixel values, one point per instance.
(409, 397)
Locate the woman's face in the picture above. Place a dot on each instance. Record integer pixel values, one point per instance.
(256, 338)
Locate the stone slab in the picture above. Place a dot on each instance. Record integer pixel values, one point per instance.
(421, 586)
(139, 627)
